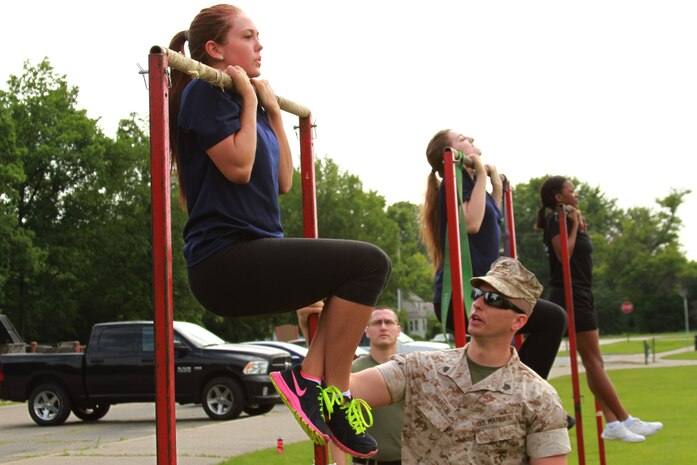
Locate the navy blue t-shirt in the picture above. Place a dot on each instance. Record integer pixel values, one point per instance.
(220, 211)
(485, 245)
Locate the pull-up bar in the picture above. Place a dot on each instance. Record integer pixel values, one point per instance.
(215, 76)
(159, 60)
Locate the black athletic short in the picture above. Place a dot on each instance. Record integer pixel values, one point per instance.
(585, 315)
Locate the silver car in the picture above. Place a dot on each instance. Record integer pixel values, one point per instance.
(406, 344)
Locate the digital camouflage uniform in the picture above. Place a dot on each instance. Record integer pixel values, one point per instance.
(507, 418)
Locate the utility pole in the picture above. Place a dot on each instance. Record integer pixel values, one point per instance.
(683, 293)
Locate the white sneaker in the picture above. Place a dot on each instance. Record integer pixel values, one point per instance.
(644, 428)
(621, 433)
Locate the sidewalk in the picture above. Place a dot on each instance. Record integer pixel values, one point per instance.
(562, 365)
(215, 442)
(205, 445)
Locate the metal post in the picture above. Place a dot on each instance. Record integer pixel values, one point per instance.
(509, 243)
(307, 173)
(683, 293)
(162, 261)
(599, 429)
(568, 295)
(653, 349)
(509, 248)
(454, 247)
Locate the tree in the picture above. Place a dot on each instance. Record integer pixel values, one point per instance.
(54, 152)
(78, 242)
(642, 262)
(15, 240)
(411, 268)
(112, 221)
(531, 252)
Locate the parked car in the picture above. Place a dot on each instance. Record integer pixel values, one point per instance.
(297, 352)
(440, 337)
(406, 343)
(301, 342)
(118, 366)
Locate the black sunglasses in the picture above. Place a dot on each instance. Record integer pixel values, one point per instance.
(495, 300)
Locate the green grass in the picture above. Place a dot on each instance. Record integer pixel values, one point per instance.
(293, 454)
(662, 344)
(692, 355)
(656, 394)
(678, 334)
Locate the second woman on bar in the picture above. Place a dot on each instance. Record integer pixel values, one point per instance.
(482, 213)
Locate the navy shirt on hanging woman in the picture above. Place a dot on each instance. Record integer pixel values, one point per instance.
(220, 211)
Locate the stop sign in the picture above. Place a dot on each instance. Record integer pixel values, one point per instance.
(627, 307)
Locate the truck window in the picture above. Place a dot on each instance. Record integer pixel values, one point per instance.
(117, 339)
(148, 339)
(148, 342)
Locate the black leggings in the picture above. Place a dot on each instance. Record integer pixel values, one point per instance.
(266, 276)
(543, 334)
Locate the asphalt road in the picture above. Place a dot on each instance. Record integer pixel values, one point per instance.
(21, 437)
(127, 435)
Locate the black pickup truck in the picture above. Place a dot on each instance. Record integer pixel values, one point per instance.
(118, 366)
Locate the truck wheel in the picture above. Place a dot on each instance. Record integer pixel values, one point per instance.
(49, 405)
(222, 399)
(258, 410)
(92, 413)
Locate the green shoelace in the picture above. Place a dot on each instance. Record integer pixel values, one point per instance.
(354, 415)
(329, 397)
(354, 409)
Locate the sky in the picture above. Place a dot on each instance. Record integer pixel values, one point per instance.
(600, 90)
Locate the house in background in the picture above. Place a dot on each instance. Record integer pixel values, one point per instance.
(418, 312)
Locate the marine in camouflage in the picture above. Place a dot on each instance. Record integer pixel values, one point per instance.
(507, 418)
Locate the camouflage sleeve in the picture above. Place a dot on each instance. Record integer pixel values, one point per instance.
(548, 435)
(548, 443)
(394, 373)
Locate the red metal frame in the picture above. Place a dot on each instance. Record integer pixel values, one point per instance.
(162, 260)
(307, 173)
(454, 247)
(510, 220)
(568, 295)
(510, 247)
(599, 429)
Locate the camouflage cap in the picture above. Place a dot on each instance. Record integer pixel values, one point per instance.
(511, 279)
